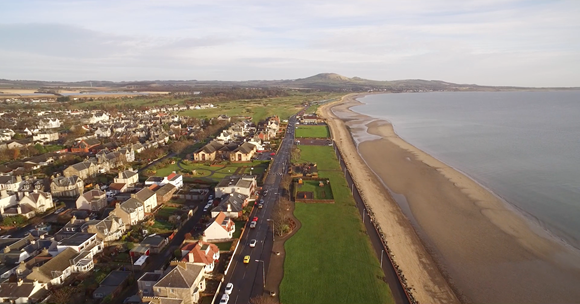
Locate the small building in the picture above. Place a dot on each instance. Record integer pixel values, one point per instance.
(148, 198)
(243, 153)
(128, 177)
(232, 205)
(149, 245)
(165, 193)
(23, 292)
(201, 253)
(221, 228)
(130, 211)
(243, 184)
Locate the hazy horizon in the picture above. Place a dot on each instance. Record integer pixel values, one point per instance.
(497, 43)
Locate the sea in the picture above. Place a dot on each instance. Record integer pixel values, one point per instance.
(524, 146)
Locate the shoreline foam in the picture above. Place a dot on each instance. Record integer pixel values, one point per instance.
(485, 251)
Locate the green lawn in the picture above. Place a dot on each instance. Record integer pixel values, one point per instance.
(161, 226)
(305, 131)
(224, 246)
(238, 232)
(330, 259)
(166, 212)
(323, 156)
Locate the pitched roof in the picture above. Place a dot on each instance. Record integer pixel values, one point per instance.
(127, 174)
(59, 263)
(182, 276)
(131, 205)
(199, 252)
(144, 194)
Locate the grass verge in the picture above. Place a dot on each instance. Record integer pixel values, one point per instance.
(330, 259)
(304, 131)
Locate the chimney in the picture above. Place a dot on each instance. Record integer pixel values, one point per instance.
(133, 195)
(73, 219)
(190, 257)
(18, 210)
(229, 207)
(20, 282)
(117, 206)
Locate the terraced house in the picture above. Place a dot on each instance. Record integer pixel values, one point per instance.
(62, 186)
(130, 211)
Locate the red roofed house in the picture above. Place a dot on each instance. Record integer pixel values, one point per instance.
(221, 228)
(201, 253)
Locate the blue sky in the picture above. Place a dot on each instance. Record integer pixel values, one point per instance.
(491, 42)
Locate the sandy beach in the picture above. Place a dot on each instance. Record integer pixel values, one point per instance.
(454, 240)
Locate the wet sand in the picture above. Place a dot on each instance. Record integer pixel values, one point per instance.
(454, 240)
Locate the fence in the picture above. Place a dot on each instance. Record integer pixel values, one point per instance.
(393, 275)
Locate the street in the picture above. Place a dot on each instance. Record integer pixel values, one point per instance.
(249, 279)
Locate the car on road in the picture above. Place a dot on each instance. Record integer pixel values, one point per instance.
(253, 224)
(247, 259)
(229, 288)
(253, 243)
(210, 197)
(225, 298)
(255, 219)
(260, 206)
(58, 211)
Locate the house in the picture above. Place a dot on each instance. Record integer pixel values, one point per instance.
(98, 117)
(148, 198)
(243, 184)
(128, 177)
(109, 229)
(165, 193)
(231, 205)
(67, 186)
(128, 153)
(60, 267)
(24, 210)
(49, 123)
(208, 152)
(221, 228)
(175, 180)
(149, 245)
(40, 201)
(84, 170)
(23, 292)
(7, 200)
(243, 153)
(310, 119)
(85, 145)
(9, 182)
(81, 242)
(147, 280)
(103, 132)
(93, 200)
(45, 137)
(16, 250)
(154, 180)
(183, 284)
(130, 211)
(112, 285)
(201, 253)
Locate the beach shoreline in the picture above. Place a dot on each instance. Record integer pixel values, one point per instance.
(465, 244)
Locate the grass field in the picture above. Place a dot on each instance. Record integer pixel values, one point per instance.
(323, 156)
(165, 212)
(330, 259)
(304, 131)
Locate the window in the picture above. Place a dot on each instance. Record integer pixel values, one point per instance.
(171, 290)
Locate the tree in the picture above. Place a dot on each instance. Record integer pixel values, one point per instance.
(62, 295)
(15, 153)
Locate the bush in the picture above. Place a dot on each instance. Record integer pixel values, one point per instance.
(17, 220)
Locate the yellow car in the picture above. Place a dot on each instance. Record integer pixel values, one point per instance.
(247, 259)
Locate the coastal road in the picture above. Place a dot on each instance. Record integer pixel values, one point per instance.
(249, 279)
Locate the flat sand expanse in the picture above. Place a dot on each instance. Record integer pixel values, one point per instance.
(456, 241)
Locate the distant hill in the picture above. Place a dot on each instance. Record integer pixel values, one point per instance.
(323, 82)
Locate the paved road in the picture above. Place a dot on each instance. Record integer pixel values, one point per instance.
(248, 279)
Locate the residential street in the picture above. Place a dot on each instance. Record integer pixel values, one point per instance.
(248, 279)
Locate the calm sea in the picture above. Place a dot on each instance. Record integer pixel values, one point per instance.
(523, 146)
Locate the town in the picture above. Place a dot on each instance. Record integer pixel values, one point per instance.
(132, 206)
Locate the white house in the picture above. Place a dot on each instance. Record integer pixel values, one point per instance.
(38, 200)
(81, 242)
(49, 123)
(201, 253)
(243, 184)
(21, 292)
(148, 198)
(221, 228)
(7, 200)
(127, 177)
(60, 267)
(130, 211)
(45, 136)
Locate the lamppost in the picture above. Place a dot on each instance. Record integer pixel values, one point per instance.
(263, 273)
(271, 220)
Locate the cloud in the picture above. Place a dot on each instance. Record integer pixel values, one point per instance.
(500, 42)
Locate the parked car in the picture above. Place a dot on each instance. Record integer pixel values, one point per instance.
(229, 288)
(247, 259)
(253, 225)
(253, 243)
(225, 298)
(255, 219)
(260, 206)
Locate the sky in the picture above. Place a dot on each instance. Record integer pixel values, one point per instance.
(532, 43)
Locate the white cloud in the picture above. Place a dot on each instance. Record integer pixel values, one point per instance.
(501, 42)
